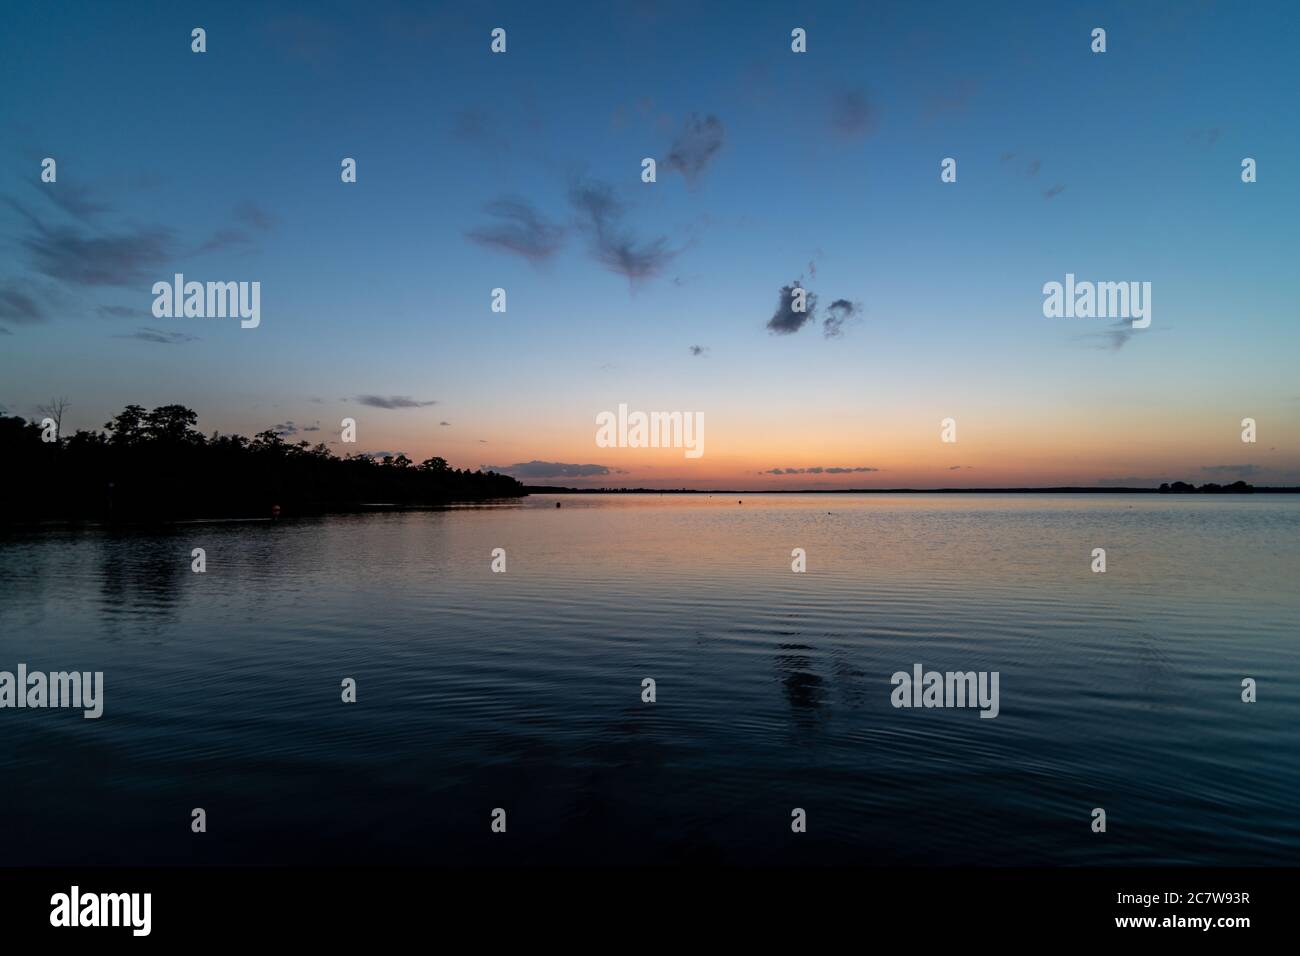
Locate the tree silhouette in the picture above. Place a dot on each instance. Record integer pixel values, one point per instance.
(156, 465)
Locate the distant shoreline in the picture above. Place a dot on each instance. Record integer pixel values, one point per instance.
(1064, 489)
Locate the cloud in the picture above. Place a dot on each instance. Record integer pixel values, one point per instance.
(1112, 338)
(251, 214)
(4, 331)
(612, 245)
(18, 306)
(521, 230)
(785, 320)
(548, 469)
(391, 401)
(1054, 191)
(228, 237)
(74, 199)
(123, 259)
(312, 428)
(474, 126)
(840, 312)
(695, 146)
(818, 470)
(286, 429)
(699, 349)
(120, 311)
(852, 115)
(157, 335)
(1240, 471)
(1034, 166)
(444, 423)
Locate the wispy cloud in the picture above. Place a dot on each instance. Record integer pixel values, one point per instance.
(520, 229)
(852, 115)
(818, 470)
(699, 349)
(1239, 471)
(695, 146)
(612, 244)
(392, 401)
(840, 312)
(475, 127)
(19, 304)
(160, 336)
(549, 469)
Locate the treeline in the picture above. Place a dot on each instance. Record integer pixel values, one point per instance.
(1183, 488)
(156, 465)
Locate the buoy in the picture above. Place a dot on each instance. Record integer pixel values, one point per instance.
(557, 504)
(275, 511)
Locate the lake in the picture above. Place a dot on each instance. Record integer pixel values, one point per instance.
(523, 690)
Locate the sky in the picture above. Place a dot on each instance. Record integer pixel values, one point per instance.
(522, 171)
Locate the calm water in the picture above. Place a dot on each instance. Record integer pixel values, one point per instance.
(523, 690)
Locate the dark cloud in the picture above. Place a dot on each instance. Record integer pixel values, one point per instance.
(1239, 471)
(249, 216)
(819, 470)
(852, 114)
(1112, 338)
(254, 216)
(130, 258)
(286, 429)
(19, 306)
(120, 311)
(447, 424)
(76, 200)
(695, 146)
(785, 320)
(612, 245)
(228, 237)
(699, 349)
(520, 229)
(548, 469)
(391, 401)
(158, 335)
(840, 312)
(1034, 166)
(1054, 191)
(474, 126)
(4, 331)
(312, 428)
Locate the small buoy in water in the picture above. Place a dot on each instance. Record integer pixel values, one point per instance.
(557, 504)
(275, 511)
(740, 502)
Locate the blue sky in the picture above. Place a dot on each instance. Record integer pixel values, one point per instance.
(225, 166)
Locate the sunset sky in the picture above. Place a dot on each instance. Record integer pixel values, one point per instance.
(523, 171)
